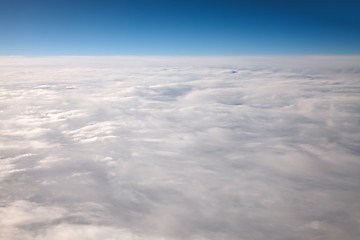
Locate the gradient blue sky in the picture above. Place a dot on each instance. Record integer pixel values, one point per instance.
(159, 27)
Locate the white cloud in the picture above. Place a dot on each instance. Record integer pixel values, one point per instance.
(179, 148)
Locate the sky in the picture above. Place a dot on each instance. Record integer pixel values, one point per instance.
(196, 27)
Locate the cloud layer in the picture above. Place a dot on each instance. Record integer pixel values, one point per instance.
(180, 148)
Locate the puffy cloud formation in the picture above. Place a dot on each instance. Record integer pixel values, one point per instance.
(154, 148)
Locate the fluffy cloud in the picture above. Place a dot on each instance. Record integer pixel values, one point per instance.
(179, 148)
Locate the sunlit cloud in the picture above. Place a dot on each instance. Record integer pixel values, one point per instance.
(179, 148)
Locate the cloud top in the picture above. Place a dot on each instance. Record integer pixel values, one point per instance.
(179, 148)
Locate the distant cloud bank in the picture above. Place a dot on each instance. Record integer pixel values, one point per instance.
(194, 148)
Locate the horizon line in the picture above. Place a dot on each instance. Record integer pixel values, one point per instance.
(188, 56)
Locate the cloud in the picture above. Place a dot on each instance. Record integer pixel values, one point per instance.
(179, 148)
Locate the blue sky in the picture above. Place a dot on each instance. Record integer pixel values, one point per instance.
(159, 27)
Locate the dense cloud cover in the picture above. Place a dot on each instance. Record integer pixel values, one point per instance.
(251, 148)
